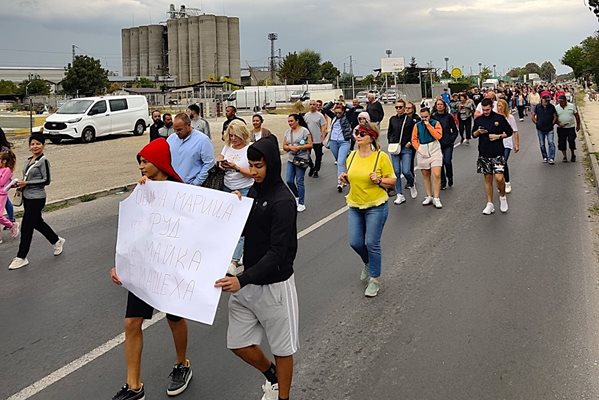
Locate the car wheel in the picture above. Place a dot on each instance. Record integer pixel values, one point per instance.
(88, 135)
(56, 140)
(139, 128)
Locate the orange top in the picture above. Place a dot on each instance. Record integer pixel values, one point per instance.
(435, 131)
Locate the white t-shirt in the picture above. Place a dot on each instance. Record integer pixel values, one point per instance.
(508, 142)
(236, 180)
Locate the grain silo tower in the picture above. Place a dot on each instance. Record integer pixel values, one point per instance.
(126, 51)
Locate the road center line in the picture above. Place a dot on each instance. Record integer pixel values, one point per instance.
(104, 348)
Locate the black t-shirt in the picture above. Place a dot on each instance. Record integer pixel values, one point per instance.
(545, 117)
(477, 98)
(494, 124)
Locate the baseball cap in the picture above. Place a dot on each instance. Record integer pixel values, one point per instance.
(562, 97)
(545, 93)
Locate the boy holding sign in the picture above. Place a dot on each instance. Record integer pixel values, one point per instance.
(264, 299)
(154, 164)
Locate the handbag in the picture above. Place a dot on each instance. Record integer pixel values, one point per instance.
(215, 179)
(301, 162)
(394, 148)
(327, 141)
(17, 198)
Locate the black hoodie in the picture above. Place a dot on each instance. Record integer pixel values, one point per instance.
(270, 231)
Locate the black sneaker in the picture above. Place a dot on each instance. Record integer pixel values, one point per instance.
(310, 172)
(129, 394)
(179, 379)
(573, 158)
(450, 182)
(315, 174)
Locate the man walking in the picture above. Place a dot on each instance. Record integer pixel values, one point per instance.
(156, 125)
(197, 122)
(317, 126)
(374, 108)
(544, 116)
(492, 128)
(568, 123)
(231, 114)
(192, 153)
(264, 299)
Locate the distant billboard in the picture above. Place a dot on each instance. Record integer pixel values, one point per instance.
(396, 64)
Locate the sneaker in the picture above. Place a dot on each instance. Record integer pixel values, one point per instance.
(428, 200)
(489, 209)
(310, 172)
(450, 182)
(544, 160)
(551, 162)
(129, 394)
(232, 270)
(508, 187)
(58, 246)
(14, 231)
(271, 391)
(399, 199)
(573, 158)
(340, 188)
(521, 119)
(365, 274)
(301, 208)
(18, 263)
(503, 204)
(413, 191)
(179, 378)
(315, 174)
(373, 287)
(565, 159)
(444, 187)
(437, 202)
(467, 142)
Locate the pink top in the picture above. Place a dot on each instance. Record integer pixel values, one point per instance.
(5, 178)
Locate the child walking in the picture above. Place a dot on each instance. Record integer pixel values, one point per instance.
(7, 166)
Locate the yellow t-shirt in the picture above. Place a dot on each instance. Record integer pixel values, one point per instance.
(363, 193)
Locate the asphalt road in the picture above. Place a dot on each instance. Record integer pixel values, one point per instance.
(472, 306)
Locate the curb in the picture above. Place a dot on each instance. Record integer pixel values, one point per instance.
(587, 140)
(83, 198)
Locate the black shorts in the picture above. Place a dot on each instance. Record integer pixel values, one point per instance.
(490, 165)
(566, 135)
(137, 308)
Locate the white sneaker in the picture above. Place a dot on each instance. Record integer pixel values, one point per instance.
(503, 207)
(365, 274)
(271, 392)
(373, 288)
(14, 231)
(413, 191)
(400, 199)
(18, 263)
(508, 187)
(58, 246)
(437, 202)
(301, 208)
(428, 200)
(489, 209)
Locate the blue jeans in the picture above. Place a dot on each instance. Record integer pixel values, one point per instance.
(365, 231)
(239, 248)
(340, 150)
(10, 211)
(295, 181)
(402, 164)
(447, 168)
(549, 135)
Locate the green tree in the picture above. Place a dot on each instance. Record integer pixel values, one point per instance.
(574, 58)
(143, 82)
(445, 74)
(548, 72)
(590, 47)
(533, 68)
(516, 72)
(486, 73)
(329, 72)
(85, 77)
(411, 74)
(311, 61)
(8, 87)
(292, 69)
(345, 79)
(33, 87)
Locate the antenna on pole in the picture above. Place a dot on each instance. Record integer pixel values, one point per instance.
(272, 37)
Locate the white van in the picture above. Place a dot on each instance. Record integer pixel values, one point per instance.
(89, 117)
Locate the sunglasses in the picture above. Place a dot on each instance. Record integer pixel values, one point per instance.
(360, 133)
(398, 107)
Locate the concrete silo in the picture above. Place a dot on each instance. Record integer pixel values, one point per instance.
(222, 46)
(134, 42)
(207, 46)
(183, 43)
(193, 29)
(172, 30)
(126, 51)
(144, 50)
(234, 50)
(155, 49)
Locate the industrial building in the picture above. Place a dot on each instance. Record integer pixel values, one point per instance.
(192, 47)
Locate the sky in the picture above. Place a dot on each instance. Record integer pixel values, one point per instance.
(506, 33)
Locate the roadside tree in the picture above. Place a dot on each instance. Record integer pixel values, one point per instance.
(85, 77)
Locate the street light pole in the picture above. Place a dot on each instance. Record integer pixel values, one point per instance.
(30, 105)
(494, 73)
(480, 74)
(447, 64)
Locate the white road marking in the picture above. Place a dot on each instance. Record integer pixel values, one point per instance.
(99, 351)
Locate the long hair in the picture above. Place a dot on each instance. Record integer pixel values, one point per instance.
(506, 108)
(9, 158)
(237, 128)
(3, 140)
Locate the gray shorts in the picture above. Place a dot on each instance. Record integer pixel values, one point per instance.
(271, 310)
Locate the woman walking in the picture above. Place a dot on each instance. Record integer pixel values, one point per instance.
(466, 108)
(509, 143)
(36, 176)
(340, 138)
(258, 132)
(297, 143)
(450, 133)
(370, 174)
(425, 139)
(399, 135)
(233, 160)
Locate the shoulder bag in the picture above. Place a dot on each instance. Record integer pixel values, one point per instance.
(395, 148)
(216, 177)
(300, 162)
(17, 198)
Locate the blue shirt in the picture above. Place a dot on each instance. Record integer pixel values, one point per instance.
(192, 157)
(336, 131)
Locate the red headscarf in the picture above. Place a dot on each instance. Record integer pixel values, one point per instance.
(369, 131)
(158, 153)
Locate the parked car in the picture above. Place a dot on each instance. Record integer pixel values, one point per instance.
(362, 96)
(90, 117)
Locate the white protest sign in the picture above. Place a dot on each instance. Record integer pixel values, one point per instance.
(396, 64)
(174, 241)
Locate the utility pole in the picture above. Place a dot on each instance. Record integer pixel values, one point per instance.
(351, 72)
(73, 50)
(272, 37)
(447, 64)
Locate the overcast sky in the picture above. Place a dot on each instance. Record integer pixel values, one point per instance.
(507, 33)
